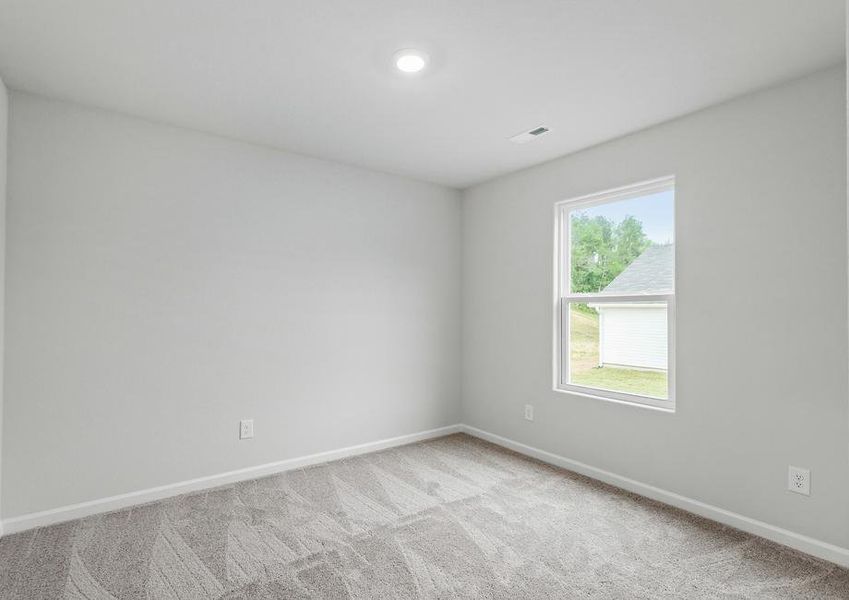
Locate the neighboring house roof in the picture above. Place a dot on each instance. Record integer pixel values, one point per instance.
(651, 271)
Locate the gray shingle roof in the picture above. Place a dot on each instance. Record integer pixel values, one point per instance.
(650, 272)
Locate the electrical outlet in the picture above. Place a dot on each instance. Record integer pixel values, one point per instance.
(246, 429)
(529, 412)
(799, 480)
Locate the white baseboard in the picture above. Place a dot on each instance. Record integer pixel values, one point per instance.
(102, 505)
(802, 543)
(797, 541)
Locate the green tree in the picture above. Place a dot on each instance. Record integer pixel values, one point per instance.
(631, 241)
(602, 249)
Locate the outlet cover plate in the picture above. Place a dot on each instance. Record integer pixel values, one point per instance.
(246, 429)
(799, 480)
(529, 412)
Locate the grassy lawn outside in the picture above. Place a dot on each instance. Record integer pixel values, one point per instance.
(585, 369)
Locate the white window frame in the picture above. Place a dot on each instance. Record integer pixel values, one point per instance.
(563, 296)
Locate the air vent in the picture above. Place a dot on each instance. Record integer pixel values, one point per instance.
(528, 136)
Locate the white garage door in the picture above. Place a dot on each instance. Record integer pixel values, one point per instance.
(633, 336)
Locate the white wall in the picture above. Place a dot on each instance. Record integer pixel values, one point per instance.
(4, 123)
(761, 304)
(164, 284)
(846, 91)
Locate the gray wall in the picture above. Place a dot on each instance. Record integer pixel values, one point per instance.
(762, 295)
(164, 284)
(4, 128)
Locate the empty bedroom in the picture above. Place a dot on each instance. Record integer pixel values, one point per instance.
(455, 299)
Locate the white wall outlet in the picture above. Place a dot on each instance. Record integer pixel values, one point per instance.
(246, 429)
(529, 412)
(799, 480)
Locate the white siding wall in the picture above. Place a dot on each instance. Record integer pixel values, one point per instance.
(633, 336)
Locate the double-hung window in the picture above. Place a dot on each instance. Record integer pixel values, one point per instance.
(615, 295)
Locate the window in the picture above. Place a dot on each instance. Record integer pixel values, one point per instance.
(615, 295)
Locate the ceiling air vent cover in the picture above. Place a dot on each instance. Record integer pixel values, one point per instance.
(529, 136)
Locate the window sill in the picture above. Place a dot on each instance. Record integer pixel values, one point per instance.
(655, 404)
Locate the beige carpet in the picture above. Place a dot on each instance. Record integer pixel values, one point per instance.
(449, 518)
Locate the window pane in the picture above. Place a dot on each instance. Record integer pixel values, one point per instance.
(619, 346)
(624, 246)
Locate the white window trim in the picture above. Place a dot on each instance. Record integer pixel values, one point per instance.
(563, 296)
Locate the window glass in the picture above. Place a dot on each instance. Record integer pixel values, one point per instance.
(623, 246)
(617, 294)
(619, 346)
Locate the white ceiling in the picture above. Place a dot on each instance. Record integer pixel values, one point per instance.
(315, 76)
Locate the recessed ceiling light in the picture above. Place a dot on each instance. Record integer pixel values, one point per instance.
(410, 60)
